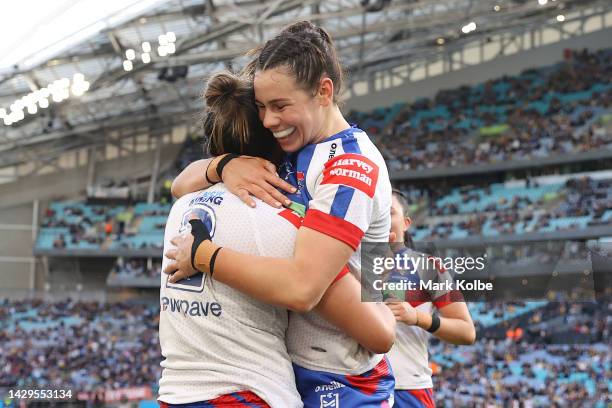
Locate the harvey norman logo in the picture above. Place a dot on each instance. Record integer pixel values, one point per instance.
(353, 170)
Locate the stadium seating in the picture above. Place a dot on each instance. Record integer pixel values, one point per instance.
(513, 208)
(539, 113)
(84, 345)
(533, 367)
(516, 208)
(84, 226)
(78, 345)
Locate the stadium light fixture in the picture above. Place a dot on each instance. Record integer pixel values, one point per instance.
(130, 54)
(171, 37)
(171, 48)
(146, 46)
(560, 18)
(496, 7)
(162, 39)
(127, 65)
(440, 41)
(468, 28)
(58, 91)
(79, 88)
(162, 50)
(542, 2)
(146, 57)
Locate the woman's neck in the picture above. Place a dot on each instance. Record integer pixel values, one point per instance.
(335, 123)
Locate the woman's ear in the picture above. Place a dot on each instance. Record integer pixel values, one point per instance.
(326, 92)
(407, 223)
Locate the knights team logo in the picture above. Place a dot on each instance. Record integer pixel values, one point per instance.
(301, 180)
(206, 214)
(330, 400)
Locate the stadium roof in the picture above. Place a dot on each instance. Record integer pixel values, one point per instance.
(126, 58)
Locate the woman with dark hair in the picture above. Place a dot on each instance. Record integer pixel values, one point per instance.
(222, 347)
(343, 186)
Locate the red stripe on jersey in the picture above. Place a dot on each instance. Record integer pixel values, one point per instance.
(448, 298)
(335, 227)
(425, 396)
(341, 275)
(242, 399)
(416, 297)
(368, 382)
(292, 217)
(438, 264)
(352, 170)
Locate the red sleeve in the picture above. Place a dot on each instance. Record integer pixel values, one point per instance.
(335, 227)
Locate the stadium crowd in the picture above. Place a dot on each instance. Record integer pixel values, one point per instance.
(540, 113)
(135, 268)
(87, 346)
(78, 345)
(77, 225)
(555, 356)
(581, 202)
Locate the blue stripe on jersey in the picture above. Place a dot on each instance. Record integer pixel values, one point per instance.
(344, 195)
(351, 145)
(244, 401)
(341, 202)
(342, 134)
(304, 157)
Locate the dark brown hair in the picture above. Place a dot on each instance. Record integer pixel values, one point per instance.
(309, 54)
(403, 201)
(231, 121)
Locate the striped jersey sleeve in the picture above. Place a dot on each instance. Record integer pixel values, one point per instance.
(342, 204)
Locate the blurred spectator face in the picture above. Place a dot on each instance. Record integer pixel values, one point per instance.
(399, 221)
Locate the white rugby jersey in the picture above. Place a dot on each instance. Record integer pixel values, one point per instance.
(409, 357)
(344, 183)
(216, 340)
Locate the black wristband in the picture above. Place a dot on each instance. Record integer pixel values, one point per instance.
(212, 183)
(200, 234)
(212, 261)
(223, 162)
(435, 323)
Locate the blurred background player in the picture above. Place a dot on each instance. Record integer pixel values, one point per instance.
(417, 317)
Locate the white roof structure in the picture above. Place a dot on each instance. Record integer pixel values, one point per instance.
(85, 68)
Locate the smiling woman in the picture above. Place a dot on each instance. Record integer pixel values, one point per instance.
(297, 83)
(342, 180)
